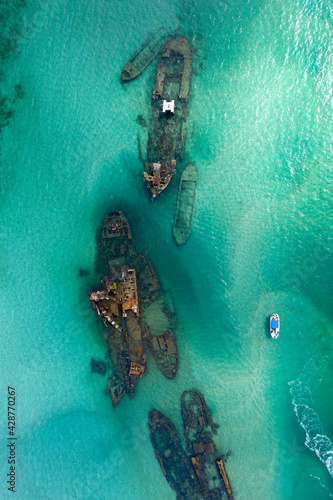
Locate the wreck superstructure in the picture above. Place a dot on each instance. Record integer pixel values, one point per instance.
(117, 305)
(207, 462)
(129, 290)
(167, 131)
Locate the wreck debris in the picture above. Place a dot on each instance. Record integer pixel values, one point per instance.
(97, 366)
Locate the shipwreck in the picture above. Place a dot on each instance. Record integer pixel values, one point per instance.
(197, 471)
(167, 130)
(129, 291)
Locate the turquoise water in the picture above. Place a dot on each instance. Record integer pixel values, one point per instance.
(260, 133)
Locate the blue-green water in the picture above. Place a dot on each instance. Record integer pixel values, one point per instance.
(261, 135)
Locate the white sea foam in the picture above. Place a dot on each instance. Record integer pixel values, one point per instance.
(306, 415)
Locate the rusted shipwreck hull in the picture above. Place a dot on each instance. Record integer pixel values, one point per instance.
(182, 225)
(198, 472)
(207, 462)
(167, 131)
(144, 56)
(172, 458)
(129, 287)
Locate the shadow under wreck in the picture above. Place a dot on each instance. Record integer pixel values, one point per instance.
(133, 308)
(167, 131)
(200, 473)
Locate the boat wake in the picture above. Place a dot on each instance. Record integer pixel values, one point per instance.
(306, 415)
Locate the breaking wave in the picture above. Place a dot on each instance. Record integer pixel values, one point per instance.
(303, 406)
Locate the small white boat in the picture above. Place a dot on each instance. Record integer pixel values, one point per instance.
(275, 326)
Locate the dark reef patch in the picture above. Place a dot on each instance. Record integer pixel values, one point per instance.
(141, 121)
(11, 22)
(19, 91)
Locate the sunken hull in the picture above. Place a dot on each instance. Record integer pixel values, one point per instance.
(167, 131)
(182, 225)
(128, 293)
(172, 457)
(207, 462)
(143, 56)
